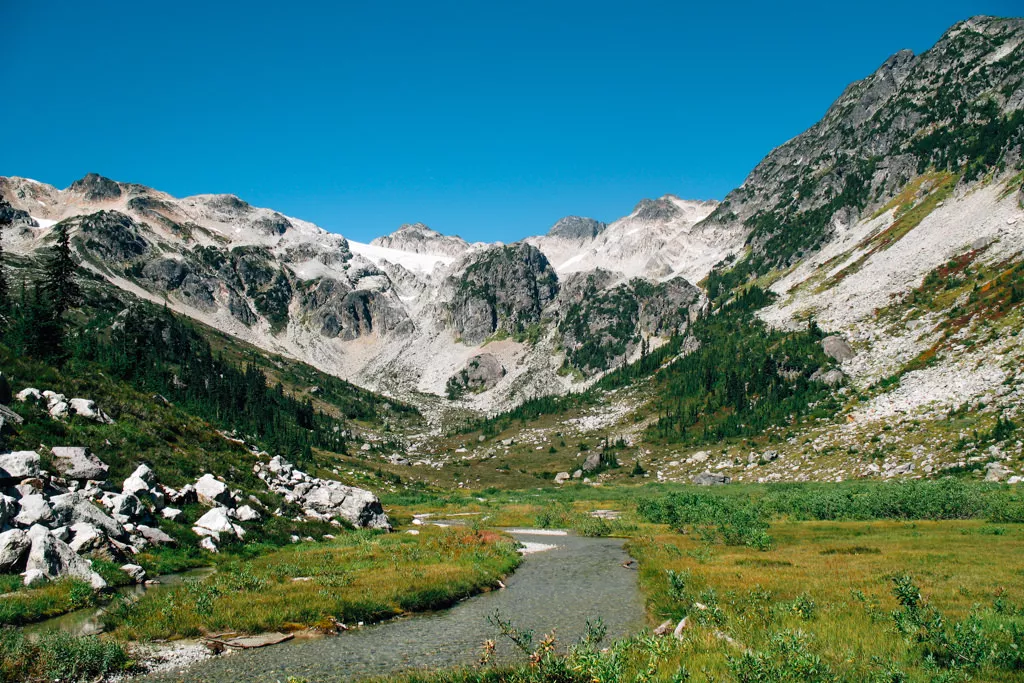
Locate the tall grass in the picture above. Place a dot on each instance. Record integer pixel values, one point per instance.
(58, 656)
(362, 576)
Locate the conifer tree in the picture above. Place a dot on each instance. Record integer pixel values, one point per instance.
(59, 284)
(5, 304)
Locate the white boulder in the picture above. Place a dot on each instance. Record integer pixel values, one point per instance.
(14, 544)
(78, 463)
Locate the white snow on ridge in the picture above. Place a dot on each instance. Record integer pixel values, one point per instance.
(425, 264)
(44, 222)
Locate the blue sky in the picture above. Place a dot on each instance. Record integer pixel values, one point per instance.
(485, 119)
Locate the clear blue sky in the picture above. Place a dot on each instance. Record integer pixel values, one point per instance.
(486, 119)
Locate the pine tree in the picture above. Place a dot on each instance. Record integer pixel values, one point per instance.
(5, 304)
(59, 284)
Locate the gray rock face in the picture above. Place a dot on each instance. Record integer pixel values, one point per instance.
(72, 508)
(502, 289)
(561, 477)
(95, 188)
(881, 118)
(52, 559)
(155, 536)
(8, 508)
(112, 237)
(215, 522)
(419, 239)
(603, 327)
(125, 507)
(481, 373)
(14, 545)
(347, 313)
(323, 498)
(78, 463)
(995, 471)
(592, 462)
(577, 228)
(710, 479)
(836, 348)
(655, 210)
(18, 465)
(34, 510)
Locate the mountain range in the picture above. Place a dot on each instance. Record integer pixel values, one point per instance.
(895, 225)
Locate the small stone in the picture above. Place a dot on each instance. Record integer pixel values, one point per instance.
(135, 572)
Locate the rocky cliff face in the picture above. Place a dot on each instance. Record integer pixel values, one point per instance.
(955, 107)
(504, 289)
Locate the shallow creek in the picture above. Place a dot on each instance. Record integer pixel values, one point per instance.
(559, 588)
(87, 621)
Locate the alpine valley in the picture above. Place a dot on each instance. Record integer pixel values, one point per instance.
(852, 313)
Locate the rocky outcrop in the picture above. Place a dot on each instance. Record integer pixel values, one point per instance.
(345, 313)
(323, 499)
(482, 372)
(17, 466)
(78, 463)
(601, 328)
(50, 558)
(502, 289)
(419, 239)
(710, 479)
(95, 188)
(577, 228)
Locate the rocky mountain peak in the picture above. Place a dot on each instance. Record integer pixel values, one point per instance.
(651, 210)
(577, 227)
(96, 188)
(417, 238)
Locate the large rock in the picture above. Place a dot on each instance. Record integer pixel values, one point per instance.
(213, 492)
(29, 394)
(481, 373)
(323, 498)
(710, 479)
(561, 477)
(139, 481)
(155, 536)
(8, 508)
(837, 348)
(70, 509)
(34, 510)
(77, 462)
(18, 465)
(358, 506)
(215, 522)
(51, 558)
(125, 507)
(247, 514)
(592, 462)
(14, 545)
(86, 408)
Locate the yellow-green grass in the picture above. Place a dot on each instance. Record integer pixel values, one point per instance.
(843, 569)
(360, 576)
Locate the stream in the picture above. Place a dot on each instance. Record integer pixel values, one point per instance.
(87, 621)
(560, 588)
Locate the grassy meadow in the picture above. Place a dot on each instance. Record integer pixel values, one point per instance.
(359, 576)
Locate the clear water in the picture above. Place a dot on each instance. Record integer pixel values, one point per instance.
(88, 621)
(580, 579)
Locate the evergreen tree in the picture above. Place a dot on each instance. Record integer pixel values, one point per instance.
(5, 306)
(59, 283)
